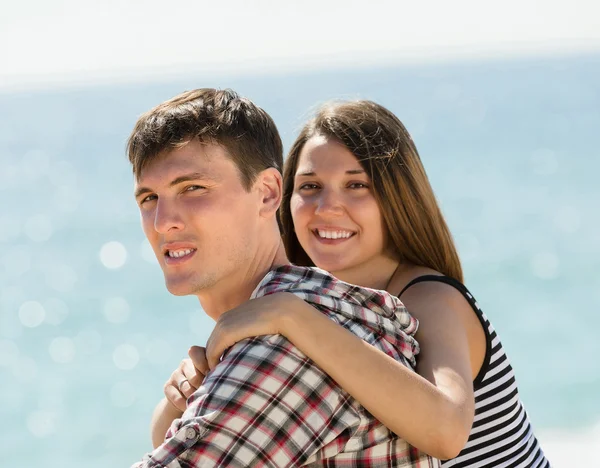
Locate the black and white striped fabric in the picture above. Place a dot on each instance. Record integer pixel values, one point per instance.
(501, 435)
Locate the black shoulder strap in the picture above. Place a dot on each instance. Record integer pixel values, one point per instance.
(440, 278)
(471, 300)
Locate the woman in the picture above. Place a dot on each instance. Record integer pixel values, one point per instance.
(357, 203)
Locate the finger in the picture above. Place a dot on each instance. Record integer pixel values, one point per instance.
(212, 358)
(186, 389)
(193, 376)
(175, 396)
(198, 356)
(196, 380)
(220, 340)
(188, 369)
(180, 379)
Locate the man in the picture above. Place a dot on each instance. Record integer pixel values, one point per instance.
(208, 184)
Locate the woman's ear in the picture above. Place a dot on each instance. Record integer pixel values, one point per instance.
(270, 186)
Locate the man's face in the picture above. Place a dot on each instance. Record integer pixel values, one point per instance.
(201, 222)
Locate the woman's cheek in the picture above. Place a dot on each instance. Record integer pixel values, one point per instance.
(298, 207)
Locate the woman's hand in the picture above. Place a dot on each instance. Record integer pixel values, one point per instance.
(186, 379)
(265, 315)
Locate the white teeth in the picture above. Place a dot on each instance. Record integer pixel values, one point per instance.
(334, 234)
(179, 253)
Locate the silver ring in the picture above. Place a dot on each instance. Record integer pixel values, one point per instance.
(180, 383)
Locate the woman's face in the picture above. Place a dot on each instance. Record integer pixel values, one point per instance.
(336, 217)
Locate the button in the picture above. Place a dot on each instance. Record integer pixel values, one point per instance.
(190, 433)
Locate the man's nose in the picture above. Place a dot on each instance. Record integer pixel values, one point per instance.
(167, 217)
(330, 203)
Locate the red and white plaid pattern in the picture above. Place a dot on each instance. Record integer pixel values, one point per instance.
(267, 405)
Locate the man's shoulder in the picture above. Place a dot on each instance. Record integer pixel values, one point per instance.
(289, 275)
(294, 279)
(313, 285)
(298, 279)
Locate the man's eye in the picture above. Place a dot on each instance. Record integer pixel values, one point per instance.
(193, 188)
(148, 198)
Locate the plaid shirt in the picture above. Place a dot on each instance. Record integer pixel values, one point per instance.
(267, 405)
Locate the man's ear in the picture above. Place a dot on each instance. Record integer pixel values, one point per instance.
(270, 186)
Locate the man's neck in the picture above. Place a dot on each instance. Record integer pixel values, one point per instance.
(230, 294)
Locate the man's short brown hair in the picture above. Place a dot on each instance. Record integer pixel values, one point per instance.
(221, 117)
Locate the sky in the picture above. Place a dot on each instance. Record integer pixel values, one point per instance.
(45, 42)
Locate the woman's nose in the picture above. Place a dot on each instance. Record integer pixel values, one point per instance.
(329, 202)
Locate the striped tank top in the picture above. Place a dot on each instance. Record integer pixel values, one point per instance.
(501, 435)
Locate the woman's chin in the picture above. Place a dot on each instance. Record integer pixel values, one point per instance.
(337, 269)
(336, 264)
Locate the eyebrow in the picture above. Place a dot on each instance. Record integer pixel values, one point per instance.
(178, 180)
(311, 173)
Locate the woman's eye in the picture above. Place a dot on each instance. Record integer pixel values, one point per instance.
(357, 185)
(308, 186)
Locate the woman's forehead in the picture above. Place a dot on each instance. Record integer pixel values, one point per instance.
(322, 154)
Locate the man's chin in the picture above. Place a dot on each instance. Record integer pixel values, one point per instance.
(180, 289)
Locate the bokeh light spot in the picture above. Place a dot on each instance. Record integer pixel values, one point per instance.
(62, 350)
(31, 314)
(42, 423)
(126, 357)
(113, 255)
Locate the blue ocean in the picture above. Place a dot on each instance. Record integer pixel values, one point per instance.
(89, 333)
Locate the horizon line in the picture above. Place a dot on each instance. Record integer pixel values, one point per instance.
(309, 63)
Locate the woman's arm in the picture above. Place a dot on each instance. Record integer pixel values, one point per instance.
(163, 416)
(434, 412)
(180, 386)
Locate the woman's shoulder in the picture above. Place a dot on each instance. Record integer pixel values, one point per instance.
(441, 303)
(421, 287)
(419, 280)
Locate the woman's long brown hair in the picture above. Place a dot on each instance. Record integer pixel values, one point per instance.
(416, 227)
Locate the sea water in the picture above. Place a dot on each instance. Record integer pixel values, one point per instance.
(89, 334)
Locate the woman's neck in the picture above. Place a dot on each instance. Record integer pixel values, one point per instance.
(375, 274)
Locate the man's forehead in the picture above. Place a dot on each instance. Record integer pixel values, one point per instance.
(206, 161)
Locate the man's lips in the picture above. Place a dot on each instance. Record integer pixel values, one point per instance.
(181, 258)
(176, 253)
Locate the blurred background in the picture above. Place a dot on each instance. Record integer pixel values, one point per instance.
(502, 100)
